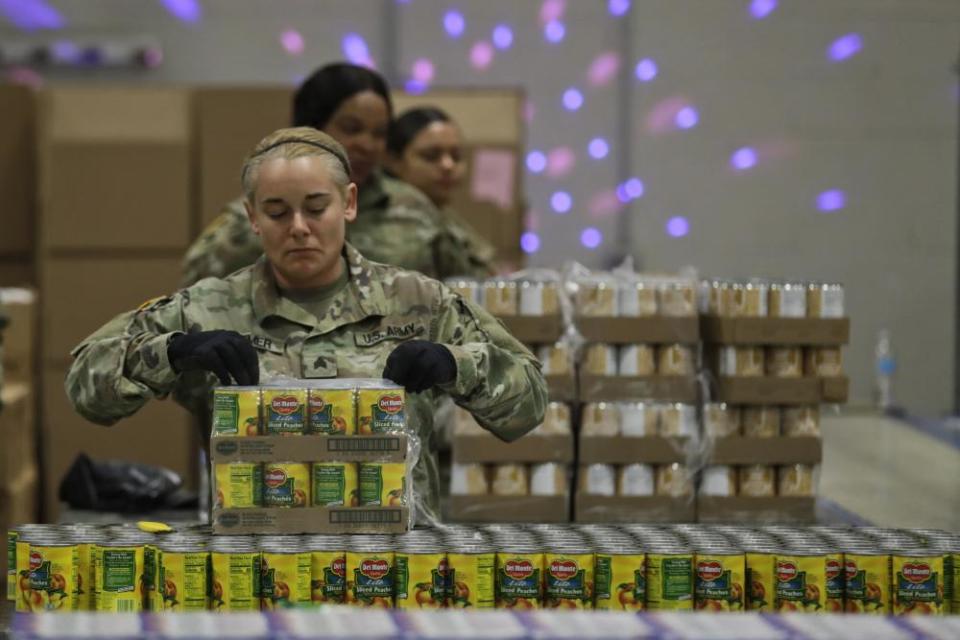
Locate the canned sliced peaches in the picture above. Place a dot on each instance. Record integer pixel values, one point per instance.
(286, 484)
(382, 483)
(236, 411)
(238, 485)
(335, 484)
(381, 410)
(620, 582)
(918, 583)
(284, 411)
(53, 576)
(332, 412)
(867, 581)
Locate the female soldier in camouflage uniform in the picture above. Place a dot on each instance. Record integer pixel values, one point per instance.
(312, 307)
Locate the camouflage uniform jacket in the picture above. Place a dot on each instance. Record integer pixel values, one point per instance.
(396, 224)
(124, 364)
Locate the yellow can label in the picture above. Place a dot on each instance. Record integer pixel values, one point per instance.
(669, 582)
(85, 577)
(380, 411)
(835, 582)
(801, 583)
(568, 581)
(952, 561)
(12, 565)
(151, 578)
(383, 483)
(52, 578)
(120, 580)
(335, 484)
(238, 485)
(183, 580)
(471, 580)
(370, 579)
(286, 484)
(719, 582)
(867, 584)
(420, 580)
(328, 577)
(285, 580)
(520, 581)
(620, 582)
(24, 594)
(332, 412)
(284, 412)
(761, 582)
(236, 412)
(918, 584)
(235, 585)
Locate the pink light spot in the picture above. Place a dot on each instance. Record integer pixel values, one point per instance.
(292, 42)
(24, 76)
(532, 220)
(603, 69)
(422, 71)
(662, 117)
(529, 111)
(552, 10)
(560, 162)
(481, 55)
(605, 203)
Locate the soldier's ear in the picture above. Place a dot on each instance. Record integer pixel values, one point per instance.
(251, 217)
(350, 204)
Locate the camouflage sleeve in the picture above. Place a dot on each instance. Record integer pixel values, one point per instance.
(498, 380)
(461, 251)
(124, 363)
(226, 245)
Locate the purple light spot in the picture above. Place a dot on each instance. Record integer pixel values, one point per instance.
(678, 226)
(65, 52)
(591, 238)
(30, 15)
(618, 7)
(454, 24)
(760, 9)
(292, 42)
(598, 148)
(687, 118)
(831, 200)
(530, 242)
(184, 10)
(536, 161)
(152, 57)
(554, 31)
(743, 158)
(422, 71)
(560, 162)
(646, 70)
(572, 99)
(415, 87)
(603, 69)
(633, 188)
(355, 50)
(502, 36)
(552, 10)
(561, 202)
(845, 47)
(621, 193)
(481, 55)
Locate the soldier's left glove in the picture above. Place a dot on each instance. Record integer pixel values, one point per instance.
(418, 365)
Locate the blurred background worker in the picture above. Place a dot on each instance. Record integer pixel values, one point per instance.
(425, 149)
(396, 223)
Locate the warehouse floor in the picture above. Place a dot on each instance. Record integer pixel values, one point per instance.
(892, 473)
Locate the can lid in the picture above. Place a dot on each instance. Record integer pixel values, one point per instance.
(233, 544)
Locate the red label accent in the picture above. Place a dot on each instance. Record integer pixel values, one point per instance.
(391, 404)
(374, 569)
(274, 477)
(709, 571)
(563, 569)
(285, 405)
(35, 560)
(518, 569)
(339, 567)
(786, 571)
(915, 573)
(443, 567)
(851, 569)
(834, 569)
(317, 405)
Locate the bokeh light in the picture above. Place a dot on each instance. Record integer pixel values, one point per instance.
(422, 70)
(561, 202)
(530, 242)
(536, 161)
(292, 42)
(760, 9)
(552, 10)
(618, 8)
(31, 15)
(184, 10)
(560, 162)
(633, 188)
(355, 50)
(603, 69)
(591, 238)
(481, 55)
(646, 70)
(598, 148)
(605, 203)
(152, 57)
(845, 47)
(743, 158)
(554, 31)
(25, 76)
(415, 87)
(502, 36)
(454, 24)
(678, 226)
(687, 118)
(65, 52)
(572, 99)
(831, 200)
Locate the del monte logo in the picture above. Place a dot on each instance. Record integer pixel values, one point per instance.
(375, 569)
(914, 572)
(317, 405)
(35, 560)
(443, 567)
(709, 571)
(339, 567)
(850, 568)
(563, 569)
(786, 571)
(274, 477)
(391, 404)
(518, 569)
(834, 569)
(285, 405)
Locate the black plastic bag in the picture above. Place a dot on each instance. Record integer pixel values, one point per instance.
(115, 485)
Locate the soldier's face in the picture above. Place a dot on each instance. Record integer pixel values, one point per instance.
(433, 161)
(300, 214)
(360, 125)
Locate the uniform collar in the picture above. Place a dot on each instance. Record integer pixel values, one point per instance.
(373, 194)
(361, 298)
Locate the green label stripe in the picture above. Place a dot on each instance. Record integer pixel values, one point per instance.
(119, 570)
(226, 413)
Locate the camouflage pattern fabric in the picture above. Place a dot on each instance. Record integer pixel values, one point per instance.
(124, 364)
(396, 225)
(479, 253)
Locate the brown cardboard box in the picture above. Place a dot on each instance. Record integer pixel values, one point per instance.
(626, 388)
(653, 330)
(780, 450)
(509, 509)
(17, 169)
(228, 123)
(835, 389)
(19, 336)
(83, 294)
(161, 433)
(322, 520)
(531, 448)
(776, 331)
(627, 450)
(312, 448)
(18, 433)
(766, 390)
(534, 329)
(785, 509)
(115, 168)
(634, 509)
(17, 271)
(561, 388)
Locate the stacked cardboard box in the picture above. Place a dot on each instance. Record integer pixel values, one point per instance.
(18, 464)
(17, 185)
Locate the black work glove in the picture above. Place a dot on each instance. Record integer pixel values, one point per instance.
(226, 353)
(418, 365)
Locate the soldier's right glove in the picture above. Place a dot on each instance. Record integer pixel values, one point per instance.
(226, 353)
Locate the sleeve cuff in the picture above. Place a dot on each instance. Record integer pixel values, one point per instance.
(155, 369)
(466, 379)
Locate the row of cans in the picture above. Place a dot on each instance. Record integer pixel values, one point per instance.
(776, 362)
(758, 298)
(676, 480)
(343, 407)
(722, 420)
(509, 479)
(639, 360)
(245, 485)
(604, 567)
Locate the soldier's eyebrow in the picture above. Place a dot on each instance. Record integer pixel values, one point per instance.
(319, 194)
